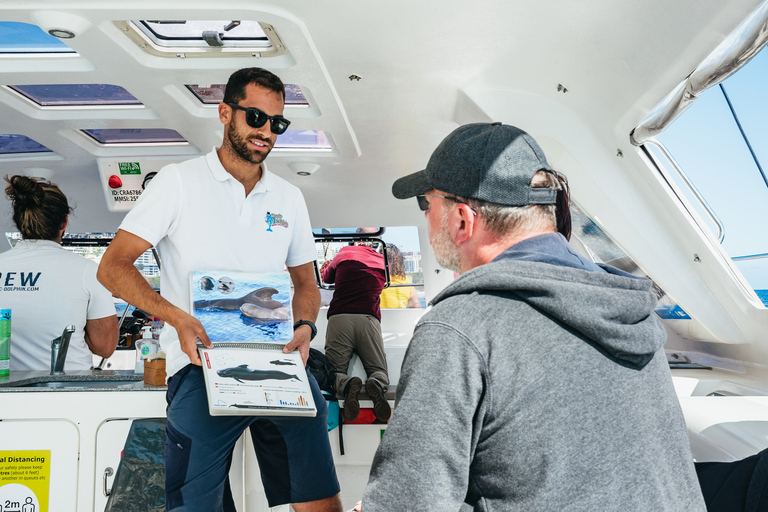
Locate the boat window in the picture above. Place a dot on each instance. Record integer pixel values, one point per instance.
(23, 39)
(69, 95)
(303, 140)
(329, 241)
(93, 245)
(136, 136)
(602, 249)
(176, 33)
(12, 144)
(214, 94)
(720, 144)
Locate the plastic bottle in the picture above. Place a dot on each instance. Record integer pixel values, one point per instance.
(143, 349)
(5, 342)
(157, 326)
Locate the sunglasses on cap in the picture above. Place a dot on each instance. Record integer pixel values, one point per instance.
(255, 118)
(424, 204)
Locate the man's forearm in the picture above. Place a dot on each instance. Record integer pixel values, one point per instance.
(125, 281)
(306, 302)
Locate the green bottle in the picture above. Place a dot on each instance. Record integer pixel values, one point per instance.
(5, 342)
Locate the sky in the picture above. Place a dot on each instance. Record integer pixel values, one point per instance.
(708, 146)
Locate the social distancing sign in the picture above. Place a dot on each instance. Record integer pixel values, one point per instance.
(25, 478)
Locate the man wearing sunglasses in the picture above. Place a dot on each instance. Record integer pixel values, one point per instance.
(538, 380)
(226, 211)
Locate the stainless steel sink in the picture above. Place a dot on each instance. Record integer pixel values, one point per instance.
(83, 384)
(80, 380)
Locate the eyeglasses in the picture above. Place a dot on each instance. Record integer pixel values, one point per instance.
(424, 204)
(256, 119)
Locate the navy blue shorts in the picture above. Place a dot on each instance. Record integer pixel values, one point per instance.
(293, 452)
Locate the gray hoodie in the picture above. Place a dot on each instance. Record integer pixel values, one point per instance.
(531, 386)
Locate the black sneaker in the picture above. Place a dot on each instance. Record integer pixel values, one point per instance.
(351, 403)
(381, 408)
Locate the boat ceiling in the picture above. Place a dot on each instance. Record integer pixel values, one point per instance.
(576, 75)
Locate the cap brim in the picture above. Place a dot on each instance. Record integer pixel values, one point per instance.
(411, 185)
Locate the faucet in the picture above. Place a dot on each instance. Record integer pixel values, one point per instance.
(59, 347)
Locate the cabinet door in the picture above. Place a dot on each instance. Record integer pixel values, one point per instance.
(110, 440)
(39, 464)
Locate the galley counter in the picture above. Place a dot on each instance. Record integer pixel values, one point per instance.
(72, 428)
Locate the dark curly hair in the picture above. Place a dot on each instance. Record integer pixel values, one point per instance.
(396, 261)
(39, 207)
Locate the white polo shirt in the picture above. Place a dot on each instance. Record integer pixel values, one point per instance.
(197, 216)
(48, 288)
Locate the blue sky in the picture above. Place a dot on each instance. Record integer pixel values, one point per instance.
(706, 142)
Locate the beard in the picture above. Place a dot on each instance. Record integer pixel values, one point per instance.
(445, 249)
(240, 147)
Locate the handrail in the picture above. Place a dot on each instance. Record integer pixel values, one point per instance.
(690, 185)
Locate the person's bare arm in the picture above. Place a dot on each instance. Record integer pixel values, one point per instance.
(101, 335)
(306, 304)
(413, 300)
(119, 276)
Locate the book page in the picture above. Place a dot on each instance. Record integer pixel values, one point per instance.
(246, 380)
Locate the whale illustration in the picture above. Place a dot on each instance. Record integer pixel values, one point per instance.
(242, 372)
(261, 298)
(282, 363)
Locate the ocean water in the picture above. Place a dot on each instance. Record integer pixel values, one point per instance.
(233, 325)
(763, 294)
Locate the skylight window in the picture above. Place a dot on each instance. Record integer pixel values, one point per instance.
(23, 39)
(214, 94)
(303, 140)
(194, 33)
(68, 95)
(117, 137)
(720, 144)
(12, 144)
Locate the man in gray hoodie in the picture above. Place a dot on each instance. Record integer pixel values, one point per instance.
(538, 380)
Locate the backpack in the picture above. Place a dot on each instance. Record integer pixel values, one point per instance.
(322, 369)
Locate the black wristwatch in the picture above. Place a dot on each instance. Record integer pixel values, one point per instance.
(311, 326)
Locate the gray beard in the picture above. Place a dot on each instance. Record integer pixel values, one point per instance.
(445, 250)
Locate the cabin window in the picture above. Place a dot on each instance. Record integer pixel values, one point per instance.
(214, 94)
(77, 95)
(303, 140)
(14, 144)
(192, 32)
(329, 242)
(720, 144)
(204, 38)
(117, 137)
(602, 249)
(24, 39)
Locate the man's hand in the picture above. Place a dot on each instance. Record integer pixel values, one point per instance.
(190, 330)
(301, 338)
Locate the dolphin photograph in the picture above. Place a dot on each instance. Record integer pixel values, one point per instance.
(259, 309)
(242, 373)
(282, 363)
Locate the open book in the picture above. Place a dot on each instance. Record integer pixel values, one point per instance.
(249, 318)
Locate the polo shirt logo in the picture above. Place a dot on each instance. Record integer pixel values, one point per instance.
(275, 219)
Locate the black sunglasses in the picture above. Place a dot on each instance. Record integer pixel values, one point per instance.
(424, 204)
(256, 119)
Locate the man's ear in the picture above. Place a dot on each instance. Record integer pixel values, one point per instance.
(462, 224)
(225, 113)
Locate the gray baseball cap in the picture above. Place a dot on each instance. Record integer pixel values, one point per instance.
(491, 162)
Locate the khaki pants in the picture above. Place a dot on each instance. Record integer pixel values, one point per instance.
(354, 333)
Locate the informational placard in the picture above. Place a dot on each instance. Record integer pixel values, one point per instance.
(123, 180)
(25, 478)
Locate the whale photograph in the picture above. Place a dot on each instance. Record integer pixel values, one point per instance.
(251, 308)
